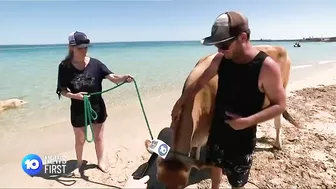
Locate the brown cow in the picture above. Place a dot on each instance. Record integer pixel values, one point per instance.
(192, 129)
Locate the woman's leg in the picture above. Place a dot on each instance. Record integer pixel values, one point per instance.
(98, 130)
(79, 144)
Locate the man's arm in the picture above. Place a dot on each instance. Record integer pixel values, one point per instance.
(209, 73)
(274, 90)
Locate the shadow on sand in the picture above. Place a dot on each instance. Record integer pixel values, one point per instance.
(196, 176)
(268, 141)
(69, 179)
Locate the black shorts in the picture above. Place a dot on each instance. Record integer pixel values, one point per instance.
(232, 151)
(78, 118)
(236, 167)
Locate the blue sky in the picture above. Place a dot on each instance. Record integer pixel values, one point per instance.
(50, 22)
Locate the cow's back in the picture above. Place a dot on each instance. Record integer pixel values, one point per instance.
(193, 128)
(280, 56)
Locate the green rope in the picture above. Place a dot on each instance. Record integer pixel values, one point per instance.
(90, 114)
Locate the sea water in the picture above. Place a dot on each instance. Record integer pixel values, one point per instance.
(29, 72)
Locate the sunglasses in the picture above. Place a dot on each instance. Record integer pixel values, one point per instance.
(80, 42)
(226, 44)
(84, 41)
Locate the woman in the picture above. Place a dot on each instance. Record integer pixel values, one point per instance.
(79, 74)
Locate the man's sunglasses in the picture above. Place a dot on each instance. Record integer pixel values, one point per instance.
(226, 44)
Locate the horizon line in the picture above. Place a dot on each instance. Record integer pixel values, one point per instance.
(101, 42)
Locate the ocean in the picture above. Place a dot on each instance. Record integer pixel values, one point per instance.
(29, 72)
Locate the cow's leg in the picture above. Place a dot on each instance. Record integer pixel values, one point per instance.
(277, 123)
(198, 153)
(195, 152)
(192, 152)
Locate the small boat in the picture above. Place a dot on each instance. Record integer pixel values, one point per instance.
(297, 45)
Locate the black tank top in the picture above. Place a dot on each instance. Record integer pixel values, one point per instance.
(238, 93)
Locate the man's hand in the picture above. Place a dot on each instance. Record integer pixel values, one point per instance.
(237, 122)
(141, 183)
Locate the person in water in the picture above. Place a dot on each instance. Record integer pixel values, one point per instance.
(245, 76)
(80, 74)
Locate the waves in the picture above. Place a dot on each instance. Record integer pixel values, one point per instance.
(310, 65)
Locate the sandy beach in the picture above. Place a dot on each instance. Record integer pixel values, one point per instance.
(307, 160)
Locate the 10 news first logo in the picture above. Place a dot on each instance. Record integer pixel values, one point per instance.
(53, 165)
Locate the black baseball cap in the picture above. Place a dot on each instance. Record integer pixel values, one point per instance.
(78, 39)
(227, 26)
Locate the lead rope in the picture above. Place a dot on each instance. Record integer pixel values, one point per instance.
(90, 114)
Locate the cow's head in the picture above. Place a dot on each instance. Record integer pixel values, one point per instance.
(174, 170)
(173, 173)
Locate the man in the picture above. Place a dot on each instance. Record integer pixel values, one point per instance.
(245, 76)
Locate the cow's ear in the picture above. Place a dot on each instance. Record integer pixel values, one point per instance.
(147, 144)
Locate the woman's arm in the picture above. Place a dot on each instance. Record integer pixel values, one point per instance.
(117, 78)
(67, 93)
(62, 81)
(77, 96)
(62, 85)
(108, 74)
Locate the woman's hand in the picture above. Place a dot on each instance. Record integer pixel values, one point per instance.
(117, 79)
(128, 78)
(79, 96)
(141, 183)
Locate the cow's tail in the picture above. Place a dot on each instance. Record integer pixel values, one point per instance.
(290, 119)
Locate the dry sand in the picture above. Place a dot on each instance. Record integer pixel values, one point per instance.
(307, 160)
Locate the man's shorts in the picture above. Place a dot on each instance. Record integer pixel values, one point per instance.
(236, 167)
